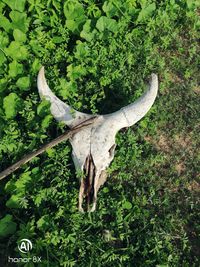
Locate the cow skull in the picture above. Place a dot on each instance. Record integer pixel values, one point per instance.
(94, 146)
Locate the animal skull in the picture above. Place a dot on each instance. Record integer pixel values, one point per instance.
(94, 146)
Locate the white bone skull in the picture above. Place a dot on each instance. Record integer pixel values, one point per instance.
(94, 146)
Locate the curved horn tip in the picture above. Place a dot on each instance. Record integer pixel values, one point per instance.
(41, 70)
(153, 83)
(154, 74)
(154, 77)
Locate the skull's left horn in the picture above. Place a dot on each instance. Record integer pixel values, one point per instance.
(129, 115)
(60, 110)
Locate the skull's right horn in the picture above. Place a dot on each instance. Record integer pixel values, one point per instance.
(129, 115)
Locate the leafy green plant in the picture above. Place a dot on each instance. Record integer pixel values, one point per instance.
(11, 105)
(75, 15)
(7, 226)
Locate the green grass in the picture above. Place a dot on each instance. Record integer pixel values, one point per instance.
(98, 56)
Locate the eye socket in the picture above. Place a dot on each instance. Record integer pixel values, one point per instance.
(112, 150)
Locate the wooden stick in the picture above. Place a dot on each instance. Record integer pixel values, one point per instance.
(53, 143)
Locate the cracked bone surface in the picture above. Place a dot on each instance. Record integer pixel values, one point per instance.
(93, 147)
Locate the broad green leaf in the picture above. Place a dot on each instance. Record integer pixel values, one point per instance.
(72, 25)
(16, 4)
(146, 12)
(14, 201)
(23, 181)
(36, 170)
(19, 20)
(2, 5)
(105, 190)
(73, 10)
(101, 23)
(82, 50)
(127, 205)
(87, 26)
(15, 69)
(105, 23)
(5, 23)
(11, 105)
(23, 83)
(4, 39)
(19, 36)
(46, 121)
(17, 51)
(86, 33)
(50, 152)
(75, 15)
(11, 147)
(190, 4)
(7, 226)
(109, 9)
